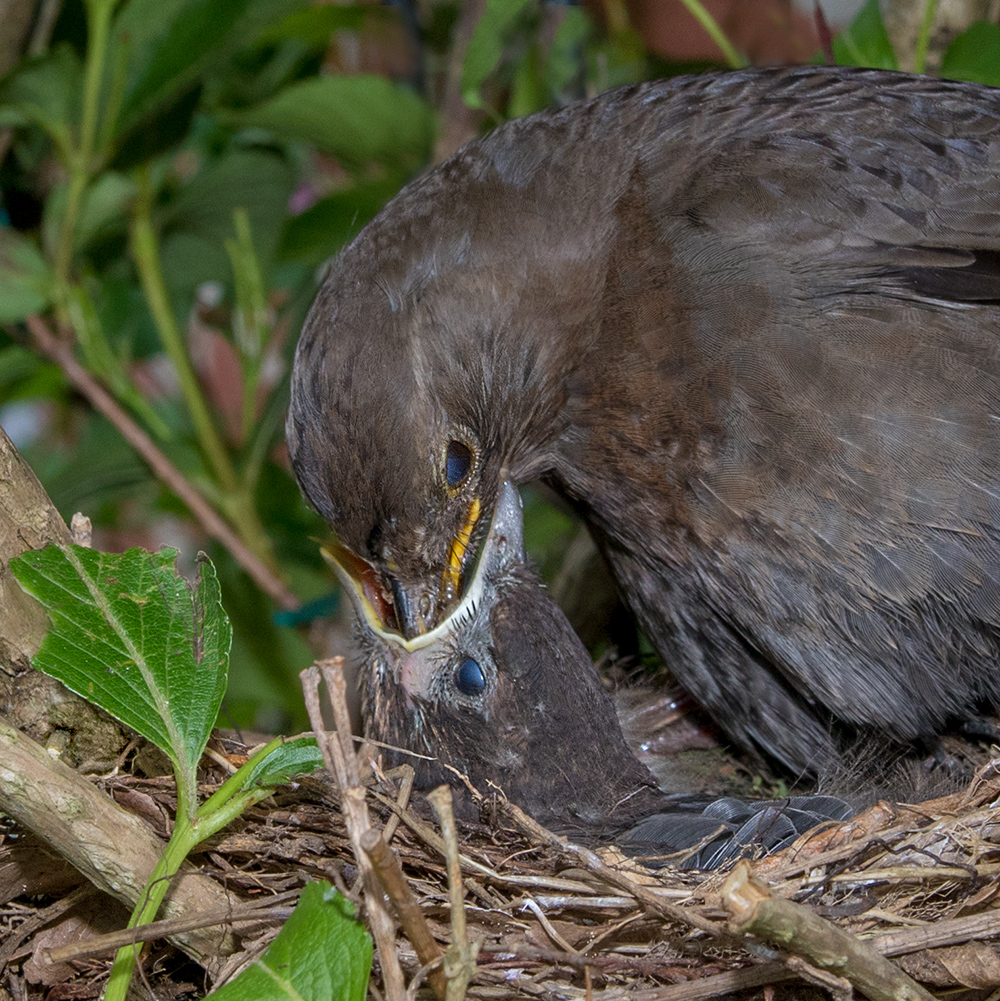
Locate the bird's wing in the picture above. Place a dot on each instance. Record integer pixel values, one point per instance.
(833, 249)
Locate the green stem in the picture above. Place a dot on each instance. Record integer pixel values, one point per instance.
(146, 252)
(702, 16)
(236, 781)
(80, 164)
(219, 810)
(924, 38)
(184, 838)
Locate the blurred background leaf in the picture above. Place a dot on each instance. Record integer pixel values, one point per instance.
(247, 141)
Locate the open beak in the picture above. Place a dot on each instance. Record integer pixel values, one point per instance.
(503, 547)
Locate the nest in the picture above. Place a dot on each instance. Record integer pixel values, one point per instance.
(897, 897)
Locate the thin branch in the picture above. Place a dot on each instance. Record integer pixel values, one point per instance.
(212, 523)
(411, 917)
(249, 918)
(338, 754)
(800, 930)
(595, 864)
(460, 959)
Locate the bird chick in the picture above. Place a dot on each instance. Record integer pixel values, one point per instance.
(504, 694)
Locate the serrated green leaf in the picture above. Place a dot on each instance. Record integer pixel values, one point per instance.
(865, 42)
(130, 635)
(25, 278)
(45, 91)
(294, 757)
(357, 118)
(487, 44)
(974, 55)
(322, 954)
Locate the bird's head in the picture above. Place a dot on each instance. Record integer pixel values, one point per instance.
(504, 693)
(427, 371)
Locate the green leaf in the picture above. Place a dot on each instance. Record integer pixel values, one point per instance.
(25, 279)
(315, 25)
(322, 954)
(45, 92)
(105, 207)
(17, 364)
(294, 757)
(487, 45)
(528, 93)
(865, 42)
(251, 319)
(974, 55)
(357, 118)
(565, 58)
(102, 360)
(200, 219)
(167, 45)
(325, 227)
(130, 635)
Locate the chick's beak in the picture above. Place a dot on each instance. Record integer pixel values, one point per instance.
(382, 613)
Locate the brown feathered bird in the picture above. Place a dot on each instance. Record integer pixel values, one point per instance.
(504, 695)
(747, 323)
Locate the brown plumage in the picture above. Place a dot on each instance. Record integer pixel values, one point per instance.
(747, 324)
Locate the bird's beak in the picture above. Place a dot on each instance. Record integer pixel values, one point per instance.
(503, 548)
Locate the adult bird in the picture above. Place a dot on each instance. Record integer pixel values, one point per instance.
(747, 324)
(503, 695)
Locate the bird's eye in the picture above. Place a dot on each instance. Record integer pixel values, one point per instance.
(457, 462)
(469, 678)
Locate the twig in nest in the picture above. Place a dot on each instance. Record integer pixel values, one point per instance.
(258, 912)
(338, 754)
(415, 927)
(719, 985)
(547, 926)
(954, 931)
(593, 863)
(840, 988)
(803, 932)
(460, 959)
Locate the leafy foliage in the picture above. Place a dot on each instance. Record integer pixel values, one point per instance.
(322, 952)
(131, 635)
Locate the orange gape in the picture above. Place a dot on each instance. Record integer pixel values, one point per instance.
(452, 576)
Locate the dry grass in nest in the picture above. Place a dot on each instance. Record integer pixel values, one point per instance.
(549, 919)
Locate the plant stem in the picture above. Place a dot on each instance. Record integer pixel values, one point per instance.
(235, 781)
(211, 522)
(146, 252)
(225, 805)
(178, 848)
(924, 38)
(711, 26)
(81, 163)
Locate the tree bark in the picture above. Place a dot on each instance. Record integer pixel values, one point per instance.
(29, 700)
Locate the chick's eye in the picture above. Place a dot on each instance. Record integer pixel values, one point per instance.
(457, 462)
(469, 678)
